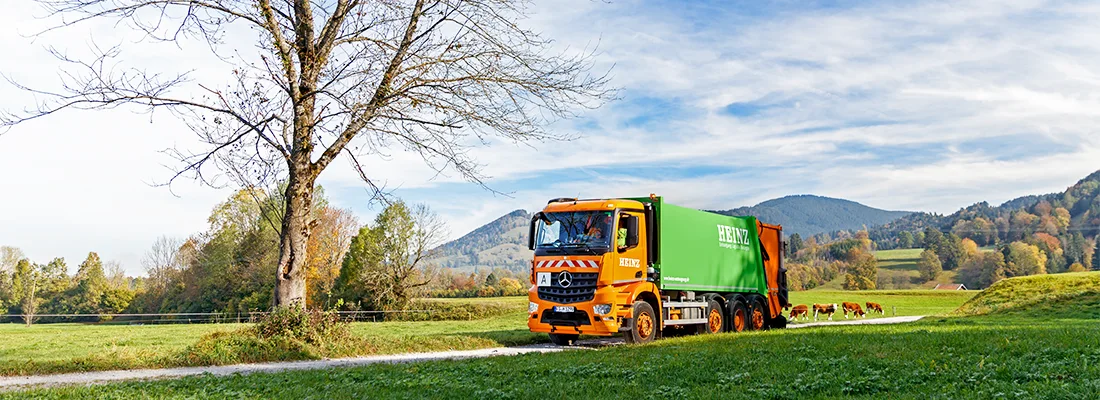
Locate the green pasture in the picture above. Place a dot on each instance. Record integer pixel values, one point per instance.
(1024, 338)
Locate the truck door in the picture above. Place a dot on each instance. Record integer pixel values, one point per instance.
(629, 259)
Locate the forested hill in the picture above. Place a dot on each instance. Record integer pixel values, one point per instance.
(498, 244)
(1071, 215)
(808, 214)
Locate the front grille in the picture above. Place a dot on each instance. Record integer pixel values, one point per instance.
(583, 288)
(575, 318)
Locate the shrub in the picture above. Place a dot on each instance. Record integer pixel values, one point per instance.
(310, 326)
(285, 334)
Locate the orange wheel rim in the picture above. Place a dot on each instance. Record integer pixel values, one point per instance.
(645, 325)
(714, 322)
(739, 320)
(757, 319)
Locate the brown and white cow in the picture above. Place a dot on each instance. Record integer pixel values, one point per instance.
(800, 310)
(824, 309)
(856, 310)
(871, 307)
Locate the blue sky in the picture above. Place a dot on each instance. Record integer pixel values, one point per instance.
(898, 105)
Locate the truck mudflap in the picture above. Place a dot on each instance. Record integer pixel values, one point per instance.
(628, 324)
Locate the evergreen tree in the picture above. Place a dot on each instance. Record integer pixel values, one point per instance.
(1096, 255)
(932, 239)
(91, 284)
(929, 265)
(950, 251)
(794, 244)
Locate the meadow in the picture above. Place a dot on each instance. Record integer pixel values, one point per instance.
(55, 348)
(467, 324)
(1005, 343)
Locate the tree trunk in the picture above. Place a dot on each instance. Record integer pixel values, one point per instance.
(290, 280)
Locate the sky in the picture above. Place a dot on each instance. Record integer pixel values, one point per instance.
(908, 105)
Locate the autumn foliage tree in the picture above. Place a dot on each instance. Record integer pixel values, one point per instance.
(327, 78)
(862, 273)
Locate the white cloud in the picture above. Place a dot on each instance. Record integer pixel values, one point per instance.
(939, 87)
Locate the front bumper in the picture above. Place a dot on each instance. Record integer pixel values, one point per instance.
(581, 321)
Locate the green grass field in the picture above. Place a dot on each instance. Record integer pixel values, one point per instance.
(53, 348)
(1017, 349)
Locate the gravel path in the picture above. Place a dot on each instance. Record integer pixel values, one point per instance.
(90, 378)
(858, 321)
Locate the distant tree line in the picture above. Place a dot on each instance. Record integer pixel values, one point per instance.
(28, 289)
(228, 268)
(811, 264)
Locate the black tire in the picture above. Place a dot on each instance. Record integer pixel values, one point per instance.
(739, 315)
(758, 315)
(779, 322)
(644, 326)
(716, 318)
(563, 339)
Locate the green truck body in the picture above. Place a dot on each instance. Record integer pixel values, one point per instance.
(703, 251)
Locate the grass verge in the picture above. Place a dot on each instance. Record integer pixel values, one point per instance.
(971, 357)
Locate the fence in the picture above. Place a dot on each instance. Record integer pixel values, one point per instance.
(196, 318)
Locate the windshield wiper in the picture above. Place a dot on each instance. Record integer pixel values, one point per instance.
(587, 247)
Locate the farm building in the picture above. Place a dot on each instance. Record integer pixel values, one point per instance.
(950, 287)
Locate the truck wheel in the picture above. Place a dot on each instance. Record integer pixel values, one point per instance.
(716, 319)
(562, 339)
(645, 322)
(779, 322)
(756, 315)
(739, 315)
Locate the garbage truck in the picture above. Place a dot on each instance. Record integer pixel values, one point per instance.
(644, 268)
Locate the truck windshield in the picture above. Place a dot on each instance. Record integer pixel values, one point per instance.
(574, 232)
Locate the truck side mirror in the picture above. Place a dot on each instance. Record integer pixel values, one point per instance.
(531, 230)
(631, 231)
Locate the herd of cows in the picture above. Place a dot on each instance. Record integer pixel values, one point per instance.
(803, 311)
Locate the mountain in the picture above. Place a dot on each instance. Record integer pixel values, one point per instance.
(1073, 212)
(808, 214)
(502, 243)
(498, 244)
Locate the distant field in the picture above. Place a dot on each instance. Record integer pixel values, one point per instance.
(901, 302)
(897, 270)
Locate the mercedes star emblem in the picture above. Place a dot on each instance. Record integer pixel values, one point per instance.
(565, 279)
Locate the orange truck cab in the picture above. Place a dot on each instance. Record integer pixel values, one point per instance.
(640, 267)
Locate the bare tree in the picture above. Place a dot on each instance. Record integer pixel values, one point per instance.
(9, 257)
(331, 77)
(162, 261)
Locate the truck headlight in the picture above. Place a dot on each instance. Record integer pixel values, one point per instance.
(532, 307)
(601, 309)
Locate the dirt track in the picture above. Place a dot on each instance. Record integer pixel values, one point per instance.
(91, 378)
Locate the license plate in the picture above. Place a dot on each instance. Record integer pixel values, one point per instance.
(564, 309)
(543, 279)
